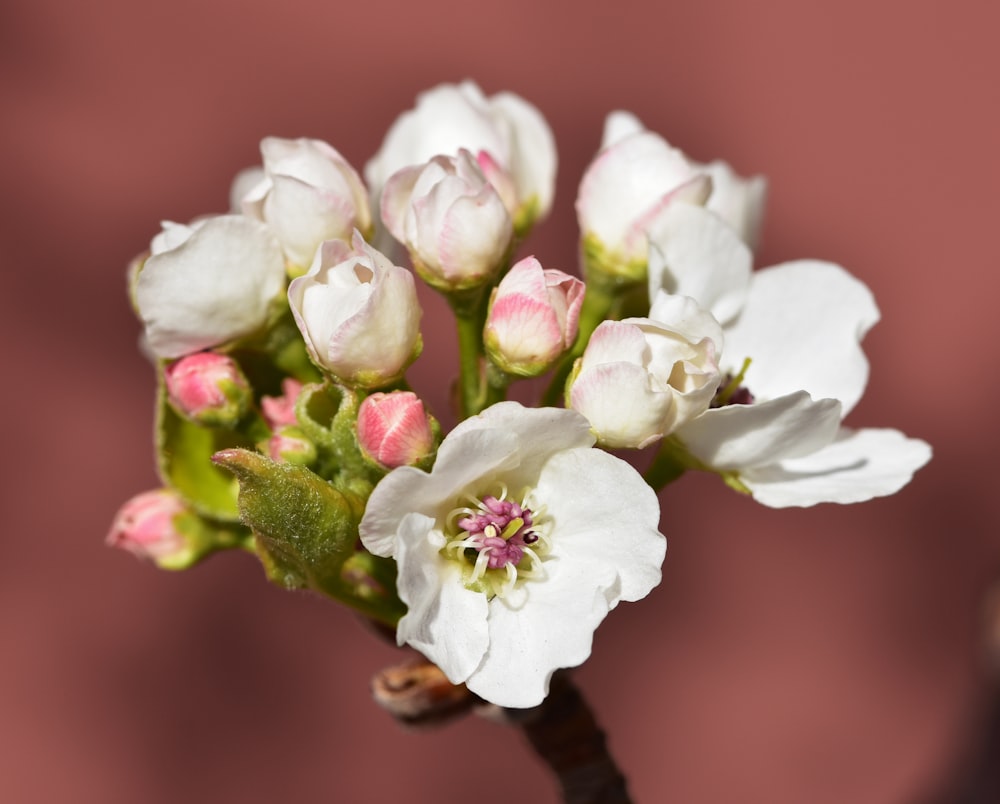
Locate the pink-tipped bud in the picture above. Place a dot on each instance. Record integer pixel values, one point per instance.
(208, 388)
(146, 527)
(280, 410)
(394, 429)
(289, 445)
(533, 318)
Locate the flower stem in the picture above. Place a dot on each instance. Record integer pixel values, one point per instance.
(568, 739)
(469, 319)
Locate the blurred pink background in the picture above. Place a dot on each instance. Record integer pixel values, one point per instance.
(823, 655)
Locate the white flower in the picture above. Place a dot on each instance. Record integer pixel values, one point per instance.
(514, 548)
(358, 313)
(801, 329)
(641, 378)
(309, 193)
(450, 219)
(738, 201)
(512, 134)
(208, 283)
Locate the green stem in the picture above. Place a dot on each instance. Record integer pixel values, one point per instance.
(666, 467)
(469, 320)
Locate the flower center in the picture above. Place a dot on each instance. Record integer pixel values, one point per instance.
(497, 542)
(732, 391)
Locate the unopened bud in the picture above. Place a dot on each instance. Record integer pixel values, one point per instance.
(290, 445)
(280, 410)
(394, 429)
(147, 527)
(208, 388)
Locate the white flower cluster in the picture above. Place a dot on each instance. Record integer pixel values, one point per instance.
(522, 536)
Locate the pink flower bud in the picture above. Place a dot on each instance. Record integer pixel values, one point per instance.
(393, 429)
(289, 445)
(208, 388)
(145, 526)
(280, 410)
(533, 318)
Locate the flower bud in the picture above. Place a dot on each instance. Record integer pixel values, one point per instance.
(290, 445)
(207, 284)
(208, 388)
(309, 194)
(451, 220)
(533, 318)
(393, 429)
(509, 137)
(280, 410)
(634, 176)
(641, 378)
(146, 526)
(358, 313)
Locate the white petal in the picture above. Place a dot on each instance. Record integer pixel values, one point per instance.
(738, 201)
(444, 620)
(533, 148)
(617, 400)
(596, 529)
(687, 317)
(553, 628)
(626, 182)
(692, 252)
(858, 466)
(745, 436)
(802, 327)
(215, 287)
(618, 125)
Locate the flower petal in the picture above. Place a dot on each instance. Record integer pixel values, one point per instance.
(534, 159)
(215, 287)
(444, 620)
(802, 327)
(746, 436)
(858, 466)
(692, 252)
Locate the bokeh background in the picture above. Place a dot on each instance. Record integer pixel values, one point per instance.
(823, 655)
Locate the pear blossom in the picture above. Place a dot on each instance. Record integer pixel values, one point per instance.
(207, 284)
(358, 313)
(451, 220)
(514, 548)
(506, 135)
(208, 388)
(794, 351)
(394, 429)
(642, 378)
(737, 200)
(308, 193)
(533, 318)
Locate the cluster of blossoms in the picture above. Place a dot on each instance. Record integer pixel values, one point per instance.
(282, 333)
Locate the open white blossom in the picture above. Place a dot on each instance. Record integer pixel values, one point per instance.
(795, 369)
(514, 548)
(207, 283)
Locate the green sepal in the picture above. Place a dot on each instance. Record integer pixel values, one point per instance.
(202, 537)
(612, 267)
(306, 531)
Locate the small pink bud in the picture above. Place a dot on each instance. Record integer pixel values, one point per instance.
(289, 445)
(394, 429)
(208, 388)
(280, 410)
(146, 527)
(534, 317)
